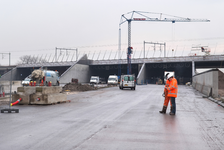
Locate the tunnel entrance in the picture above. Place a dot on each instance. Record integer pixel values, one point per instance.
(104, 71)
(155, 71)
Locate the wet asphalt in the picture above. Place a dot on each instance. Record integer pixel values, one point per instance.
(111, 118)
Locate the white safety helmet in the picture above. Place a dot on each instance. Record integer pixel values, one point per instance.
(170, 75)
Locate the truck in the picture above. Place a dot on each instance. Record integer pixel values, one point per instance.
(46, 76)
(112, 80)
(94, 80)
(165, 73)
(127, 81)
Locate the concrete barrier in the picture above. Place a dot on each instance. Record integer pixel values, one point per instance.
(45, 95)
(207, 82)
(24, 93)
(46, 99)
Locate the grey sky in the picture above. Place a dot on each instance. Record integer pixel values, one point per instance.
(30, 27)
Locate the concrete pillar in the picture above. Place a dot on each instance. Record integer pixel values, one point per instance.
(193, 68)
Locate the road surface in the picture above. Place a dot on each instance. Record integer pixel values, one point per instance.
(111, 118)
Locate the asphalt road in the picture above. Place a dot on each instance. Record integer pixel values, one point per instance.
(111, 118)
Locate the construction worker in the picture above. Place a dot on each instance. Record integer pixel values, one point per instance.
(172, 92)
(167, 99)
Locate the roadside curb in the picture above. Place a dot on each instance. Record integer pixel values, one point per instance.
(216, 101)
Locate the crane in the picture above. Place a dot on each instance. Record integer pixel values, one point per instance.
(159, 17)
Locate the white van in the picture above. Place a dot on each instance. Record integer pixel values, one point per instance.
(112, 79)
(26, 81)
(127, 81)
(94, 80)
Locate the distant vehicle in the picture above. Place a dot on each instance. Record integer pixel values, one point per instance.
(112, 79)
(165, 72)
(26, 81)
(127, 81)
(102, 81)
(45, 75)
(94, 80)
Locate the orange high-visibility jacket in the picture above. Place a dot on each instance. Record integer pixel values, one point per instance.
(166, 85)
(172, 89)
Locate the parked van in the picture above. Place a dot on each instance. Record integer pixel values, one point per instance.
(112, 79)
(94, 80)
(127, 81)
(26, 81)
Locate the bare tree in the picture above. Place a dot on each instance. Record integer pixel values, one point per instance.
(27, 59)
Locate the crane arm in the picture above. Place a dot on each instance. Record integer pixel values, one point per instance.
(143, 17)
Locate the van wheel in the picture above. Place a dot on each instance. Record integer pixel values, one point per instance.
(134, 88)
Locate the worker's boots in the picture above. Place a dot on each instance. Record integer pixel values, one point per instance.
(163, 111)
(171, 109)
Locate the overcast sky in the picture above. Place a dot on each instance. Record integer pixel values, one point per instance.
(36, 27)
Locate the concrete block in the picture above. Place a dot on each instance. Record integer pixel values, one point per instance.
(193, 84)
(43, 99)
(48, 90)
(25, 98)
(206, 90)
(26, 90)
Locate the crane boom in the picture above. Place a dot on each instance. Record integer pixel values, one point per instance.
(143, 16)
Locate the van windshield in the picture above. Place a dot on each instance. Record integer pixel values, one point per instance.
(111, 79)
(27, 79)
(128, 78)
(94, 78)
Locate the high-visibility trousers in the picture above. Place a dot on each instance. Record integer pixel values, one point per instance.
(167, 99)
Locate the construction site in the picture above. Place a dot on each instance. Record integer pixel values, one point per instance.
(73, 102)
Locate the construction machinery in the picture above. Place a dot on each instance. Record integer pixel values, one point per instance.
(144, 16)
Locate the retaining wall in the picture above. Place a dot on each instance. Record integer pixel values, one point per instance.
(207, 82)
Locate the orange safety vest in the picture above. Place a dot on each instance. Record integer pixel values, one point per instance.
(166, 86)
(172, 89)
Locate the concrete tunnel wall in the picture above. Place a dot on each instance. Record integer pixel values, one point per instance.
(78, 71)
(207, 82)
(141, 75)
(221, 80)
(7, 76)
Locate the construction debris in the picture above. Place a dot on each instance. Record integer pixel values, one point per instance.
(77, 87)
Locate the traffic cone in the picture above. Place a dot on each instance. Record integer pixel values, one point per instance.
(42, 83)
(16, 102)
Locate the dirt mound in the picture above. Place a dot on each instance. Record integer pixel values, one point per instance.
(77, 87)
